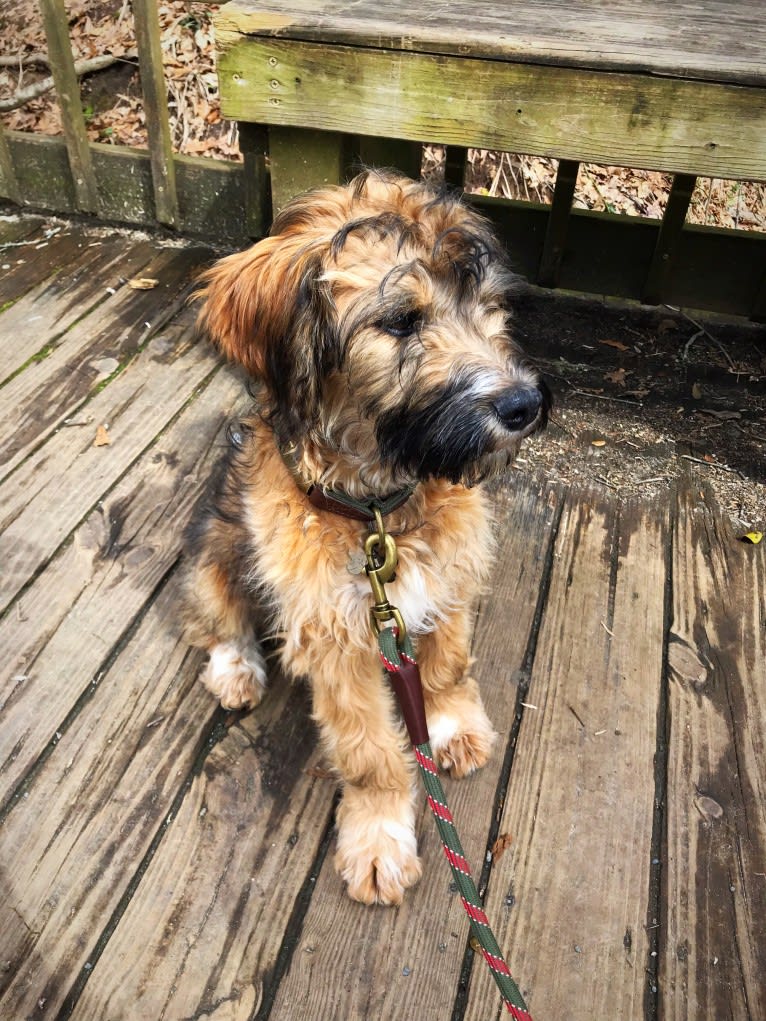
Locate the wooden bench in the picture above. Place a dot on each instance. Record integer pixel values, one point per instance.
(318, 84)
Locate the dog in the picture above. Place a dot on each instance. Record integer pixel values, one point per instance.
(373, 323)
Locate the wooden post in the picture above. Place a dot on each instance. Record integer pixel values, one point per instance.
(9, 185)
(672, 224)
(558, 221)
(392, 152)
(156, 108)
(454, 170)
(68, 92)
(254, 146)
(303, 158)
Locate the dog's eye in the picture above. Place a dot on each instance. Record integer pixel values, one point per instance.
(402, 324)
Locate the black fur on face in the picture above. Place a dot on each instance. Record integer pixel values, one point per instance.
(441, 433)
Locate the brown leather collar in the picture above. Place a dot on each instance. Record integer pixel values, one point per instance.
(335, 501)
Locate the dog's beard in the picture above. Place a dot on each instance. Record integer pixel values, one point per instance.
(446, 433)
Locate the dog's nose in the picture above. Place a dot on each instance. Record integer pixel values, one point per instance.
(519, 407)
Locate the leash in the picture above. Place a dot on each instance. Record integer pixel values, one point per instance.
(398, 658)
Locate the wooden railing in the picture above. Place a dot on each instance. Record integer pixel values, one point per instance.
(147, 187)
(553, 246)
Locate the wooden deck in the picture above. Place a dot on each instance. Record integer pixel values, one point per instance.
(163, 859)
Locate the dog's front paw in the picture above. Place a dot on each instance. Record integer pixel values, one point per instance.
(462, 741)
(465, 753)
(377, 856)
(236, 675)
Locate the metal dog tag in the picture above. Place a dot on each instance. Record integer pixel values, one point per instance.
(357, 562)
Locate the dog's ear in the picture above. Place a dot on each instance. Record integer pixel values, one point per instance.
(248, 300)
(269, 309)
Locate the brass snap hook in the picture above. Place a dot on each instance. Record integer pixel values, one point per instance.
(382, 557)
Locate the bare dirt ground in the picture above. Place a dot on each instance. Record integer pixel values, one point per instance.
(643, 393)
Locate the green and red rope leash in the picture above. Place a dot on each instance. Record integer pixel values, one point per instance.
(398, 658)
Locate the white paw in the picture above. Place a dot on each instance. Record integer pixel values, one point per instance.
(377, 855)
(236, 675)
(461, 744)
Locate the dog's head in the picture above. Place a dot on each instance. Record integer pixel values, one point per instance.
(375, 317)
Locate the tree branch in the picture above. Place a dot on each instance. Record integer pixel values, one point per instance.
(81, 67)
(23, 59)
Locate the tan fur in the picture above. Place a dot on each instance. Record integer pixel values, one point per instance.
(263, 541)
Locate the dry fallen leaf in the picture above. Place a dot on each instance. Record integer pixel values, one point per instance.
(753, 538)
(598, 443)
(501, 845)
(103, 439)
(143, 283)
(616, 376)
(615, 343)
(696, 391)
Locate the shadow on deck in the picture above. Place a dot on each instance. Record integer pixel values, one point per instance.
(160, 858)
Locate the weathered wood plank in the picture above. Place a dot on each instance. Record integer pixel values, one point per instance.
(718, 271)
(713, 935)
(210, 192)
(570, 896)
(99, 583)
(68, 95)
(14, 227)
(302, 158)
(714, 269)
(47, 311)
(618, 119)
(357, 962)
(203, 932)
(52, 387)
(74, 842)
(724, 41)
(35, 254)
(37, 510)
(155, 93)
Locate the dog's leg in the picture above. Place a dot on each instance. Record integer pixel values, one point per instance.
(377, 851)
(219, 618)
(460, 731)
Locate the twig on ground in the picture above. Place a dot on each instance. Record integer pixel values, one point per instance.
(700, 332)
(605, 397)
(81, 67)
(605, 482)
(711, 464)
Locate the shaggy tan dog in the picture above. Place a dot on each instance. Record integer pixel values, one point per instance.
(374, 322)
